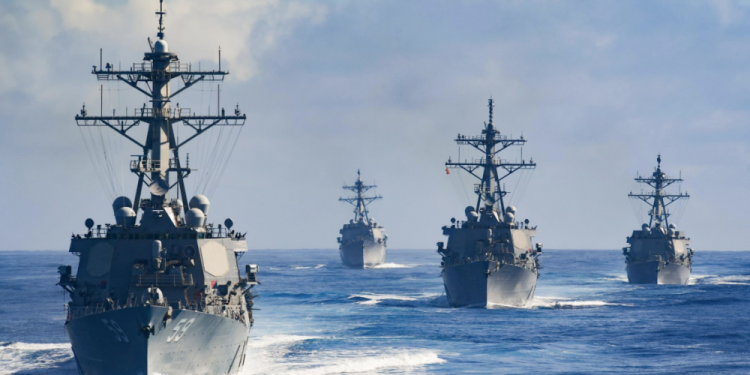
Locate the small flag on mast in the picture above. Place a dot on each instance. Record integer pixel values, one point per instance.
(447, 171)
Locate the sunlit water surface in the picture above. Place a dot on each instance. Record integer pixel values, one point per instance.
(316, 317)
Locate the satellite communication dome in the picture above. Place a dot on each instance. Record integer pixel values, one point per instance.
(644, 226)
(509, 217)
(228, 223)
(161, 46)
(672, 226)
(194, 218)
(121, 202)
(125, 216)
(89, 223)
(200, 202)
(511, 209)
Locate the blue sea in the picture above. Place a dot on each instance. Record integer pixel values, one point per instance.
(316, 317)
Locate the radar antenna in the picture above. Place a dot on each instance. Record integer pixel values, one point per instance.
(490, 143)
(161, 14)
(152, 78)
(360, 202)
(656, 198)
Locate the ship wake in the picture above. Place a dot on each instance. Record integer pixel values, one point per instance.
(287, 354)
(16, 357)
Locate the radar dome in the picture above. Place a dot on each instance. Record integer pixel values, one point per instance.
(200, 202)
(511, 209)
(89, 223)
(509, 217)
(672, 226)
(121, 202)
(161, 46)
(125, 216)
(194, 218)
(228, 223)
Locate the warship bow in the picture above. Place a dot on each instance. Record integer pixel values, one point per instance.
(164, 295)
(489, 258)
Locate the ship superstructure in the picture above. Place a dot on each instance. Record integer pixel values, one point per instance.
(489, 258)
(163, 295)
(658, 252)
(363, 241)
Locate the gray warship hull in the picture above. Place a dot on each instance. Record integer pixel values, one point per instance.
(362, 254)
(194, 343)
(656, 272)
(488, 283)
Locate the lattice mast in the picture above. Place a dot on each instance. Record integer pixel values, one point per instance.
(360, 202)
(656, 198)
(490, 143)
(152, 78)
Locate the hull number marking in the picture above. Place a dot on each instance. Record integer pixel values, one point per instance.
(180, 329)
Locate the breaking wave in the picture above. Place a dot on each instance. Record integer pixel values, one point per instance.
(20, 356)
(559, 303)
(719, 280)
(285, 354)
(396, 300)
(393, 265)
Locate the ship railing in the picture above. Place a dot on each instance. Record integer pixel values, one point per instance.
(170, 112)
(162, 280)
(498, 137)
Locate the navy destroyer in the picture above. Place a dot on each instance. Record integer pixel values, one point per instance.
(362, 242)
(164, 295)
(658, 252)
(489, 258)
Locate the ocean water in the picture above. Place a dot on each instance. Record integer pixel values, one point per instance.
(316, 317)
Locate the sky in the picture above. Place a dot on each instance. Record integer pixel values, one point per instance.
(598, 88)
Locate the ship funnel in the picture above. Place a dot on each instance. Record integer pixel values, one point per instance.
(125, 216)
(194, 218)
(200, 202)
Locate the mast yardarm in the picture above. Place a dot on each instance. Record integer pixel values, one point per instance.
(490, 143)
(658, 199)
(152, 78)
(360, 202)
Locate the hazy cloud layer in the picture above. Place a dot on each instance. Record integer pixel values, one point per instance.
(597, 87)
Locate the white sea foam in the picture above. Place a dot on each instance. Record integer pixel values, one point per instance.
(427, 299)
(562, 303)
(720, 280)
(276, 354)
(393, 265)
(320, 266)
(20, 356)
(374, 299)
(300, 267)
(620, 278)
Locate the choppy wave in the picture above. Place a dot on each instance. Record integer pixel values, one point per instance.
(619, 278)
(282, 354)
(20, 356)
(719, 280)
